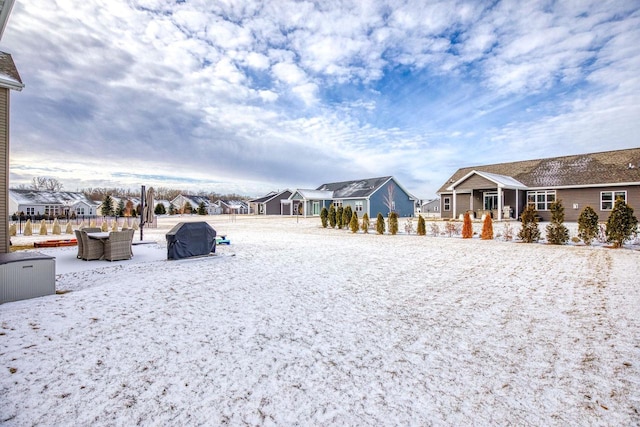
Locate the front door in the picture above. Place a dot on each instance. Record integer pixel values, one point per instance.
(316, 208)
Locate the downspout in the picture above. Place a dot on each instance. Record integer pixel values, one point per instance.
(455, 214)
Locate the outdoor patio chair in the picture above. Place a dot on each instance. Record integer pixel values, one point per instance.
(91, 248)
(79, 239)
(118, 245)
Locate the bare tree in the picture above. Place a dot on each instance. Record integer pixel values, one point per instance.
(389, 198)
(43, 183)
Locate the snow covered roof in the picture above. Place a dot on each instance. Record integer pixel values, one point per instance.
(269, 196)
(33, 197)
(9, 77)
(501, 181)
(314, 194)
(607, 167)
(354, 189)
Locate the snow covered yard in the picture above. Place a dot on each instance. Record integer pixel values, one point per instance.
(307, 326)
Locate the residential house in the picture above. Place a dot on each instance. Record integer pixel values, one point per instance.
(115, 201)
(9, 80)
(504, 190)
(270, 204)
(180, 202)
(53, 203)
(430, 208)
(232, 206)
(370, 196)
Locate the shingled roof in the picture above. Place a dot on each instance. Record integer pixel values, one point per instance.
(607, 167)
(354, 189)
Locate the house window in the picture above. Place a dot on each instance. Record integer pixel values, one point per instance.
(31, 211)
(337, 203)
(608, 199)
(541, 200)
(446, 202)
(359, 206)
(490, 201)
(80, 210)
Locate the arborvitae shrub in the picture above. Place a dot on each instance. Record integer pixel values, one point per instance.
(104, 227)
(365, 223)
(120, 208)
(43, 228)
(346, 216)
(380, 224)
(588, 225)
(422, 226)
(467, 227)
(393, 223)
(339, 217)
(69, 229)
(158, 210)
(107, 206)
(354, 224)
(621, 224)
(28, 228)
(125, 224)
(135, 225)
(529, 232)
(13, 229)
(114, 225)
(487, 228)
(557, 233)
(202, 210)
(332, 216)
(324, 217)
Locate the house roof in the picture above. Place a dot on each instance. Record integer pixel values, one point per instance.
(501, 181)
(313, 194)
(270, 196)
(354, 189)
(5, 10)
(33, 197)
(9, 76)
(607, 167)
(195, 200)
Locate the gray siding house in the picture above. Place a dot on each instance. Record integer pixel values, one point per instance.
(504, 190)
(9, 80)
(53, 203)
(368, 196)
(270, 204)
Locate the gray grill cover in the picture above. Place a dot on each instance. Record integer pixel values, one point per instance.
(187, 239)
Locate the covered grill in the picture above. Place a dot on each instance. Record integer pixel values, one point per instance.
(188, 239)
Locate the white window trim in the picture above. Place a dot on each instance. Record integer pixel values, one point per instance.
(446, 201)
(546, 202)
(614, 197)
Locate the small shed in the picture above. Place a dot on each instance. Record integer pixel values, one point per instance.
(189, 239)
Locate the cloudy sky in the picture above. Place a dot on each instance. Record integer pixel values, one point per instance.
(251, 96)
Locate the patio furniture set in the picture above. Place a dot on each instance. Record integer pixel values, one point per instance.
(93, 244)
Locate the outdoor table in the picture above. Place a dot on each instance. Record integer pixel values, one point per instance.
(98, 235)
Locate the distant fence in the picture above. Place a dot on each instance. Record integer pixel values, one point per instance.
(76, 221)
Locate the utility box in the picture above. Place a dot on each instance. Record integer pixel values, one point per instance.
(189, 239)
(25, 275)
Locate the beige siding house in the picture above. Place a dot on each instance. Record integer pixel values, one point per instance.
(504, 190)
(9, 80)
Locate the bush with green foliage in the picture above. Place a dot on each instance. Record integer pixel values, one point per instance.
(160, 209)
(529, 232)
(354, 224)
(107, 206)
(365, 223)
(172, 209)
(422, 226)
(467, 227)
(202, 210)
(380, 228)
(621, 225)
(120, 208)
(187, 208)
(340, 217)
(557, 233)
(324, 217)
(346, 216)
(332, 216)
(393, 223)
(588, 225)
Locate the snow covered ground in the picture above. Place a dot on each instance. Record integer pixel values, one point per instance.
(293, 324)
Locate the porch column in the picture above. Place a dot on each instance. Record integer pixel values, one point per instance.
(471, 203)
(499, 204)
(517, 204)
(455, 215)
